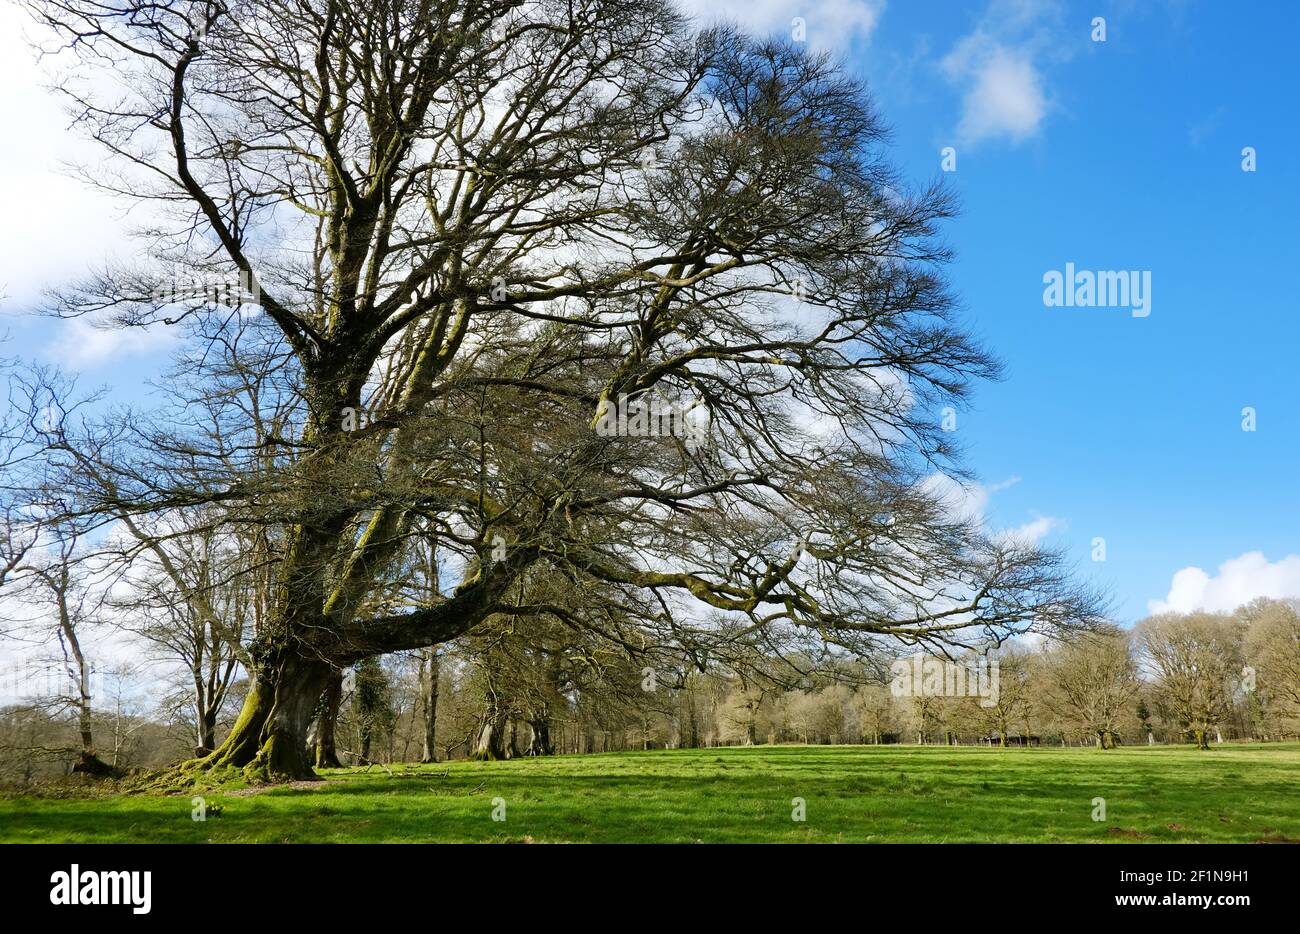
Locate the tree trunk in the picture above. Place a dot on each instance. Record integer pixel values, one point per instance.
(540, 744)
(430, 752)
(207, 731)
(269, 740)
(489, 743)
(87, 762)
(1002, 738)
(326, 749)
(1201, 740)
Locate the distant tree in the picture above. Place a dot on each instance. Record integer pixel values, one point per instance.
(1092, 683)
(1194, 661)
(1144, 717)
(1009, 706)
(878, 713)
(1272, 650)
(745, 716)
(195, 601)
(921, 716)
(51, 582)
(372, 706)
(430, 672)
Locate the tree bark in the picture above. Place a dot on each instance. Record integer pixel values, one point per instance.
(489, 743)
(269, 740)
(326, 749)
(88, 762)
(207, 731)
(540, 744)
(430, 751)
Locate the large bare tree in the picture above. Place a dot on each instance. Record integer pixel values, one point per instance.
(569, 288)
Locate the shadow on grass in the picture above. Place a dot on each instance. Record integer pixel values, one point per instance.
(850, 794)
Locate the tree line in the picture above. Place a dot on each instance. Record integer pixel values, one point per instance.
(1199, 678)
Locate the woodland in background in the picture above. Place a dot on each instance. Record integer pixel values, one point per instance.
(1228, 676)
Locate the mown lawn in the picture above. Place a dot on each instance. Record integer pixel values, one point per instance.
(1241, 794)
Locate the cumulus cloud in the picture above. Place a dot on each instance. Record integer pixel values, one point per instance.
(970, 502)
(1006, 98)
(1033, 531)
(1238, 581)
(999, 67)
(81, 345)
(55, 226)
(828, 23)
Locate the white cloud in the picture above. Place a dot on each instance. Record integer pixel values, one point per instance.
(970, 502)
(1006, 99)
(56, 227)
(80, 345)
(967, 501)
(1033, 531)
(1238, 581)
(829, 23)
(998, 66)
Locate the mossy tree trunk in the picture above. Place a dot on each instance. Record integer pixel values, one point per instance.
(269, 739)
(489, 743)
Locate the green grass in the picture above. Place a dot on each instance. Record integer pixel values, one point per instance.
(1239, 793)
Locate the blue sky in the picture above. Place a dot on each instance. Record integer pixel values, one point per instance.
(1124, 155)
(1115, 155)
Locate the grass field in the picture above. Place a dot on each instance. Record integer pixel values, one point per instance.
(1241, 794)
